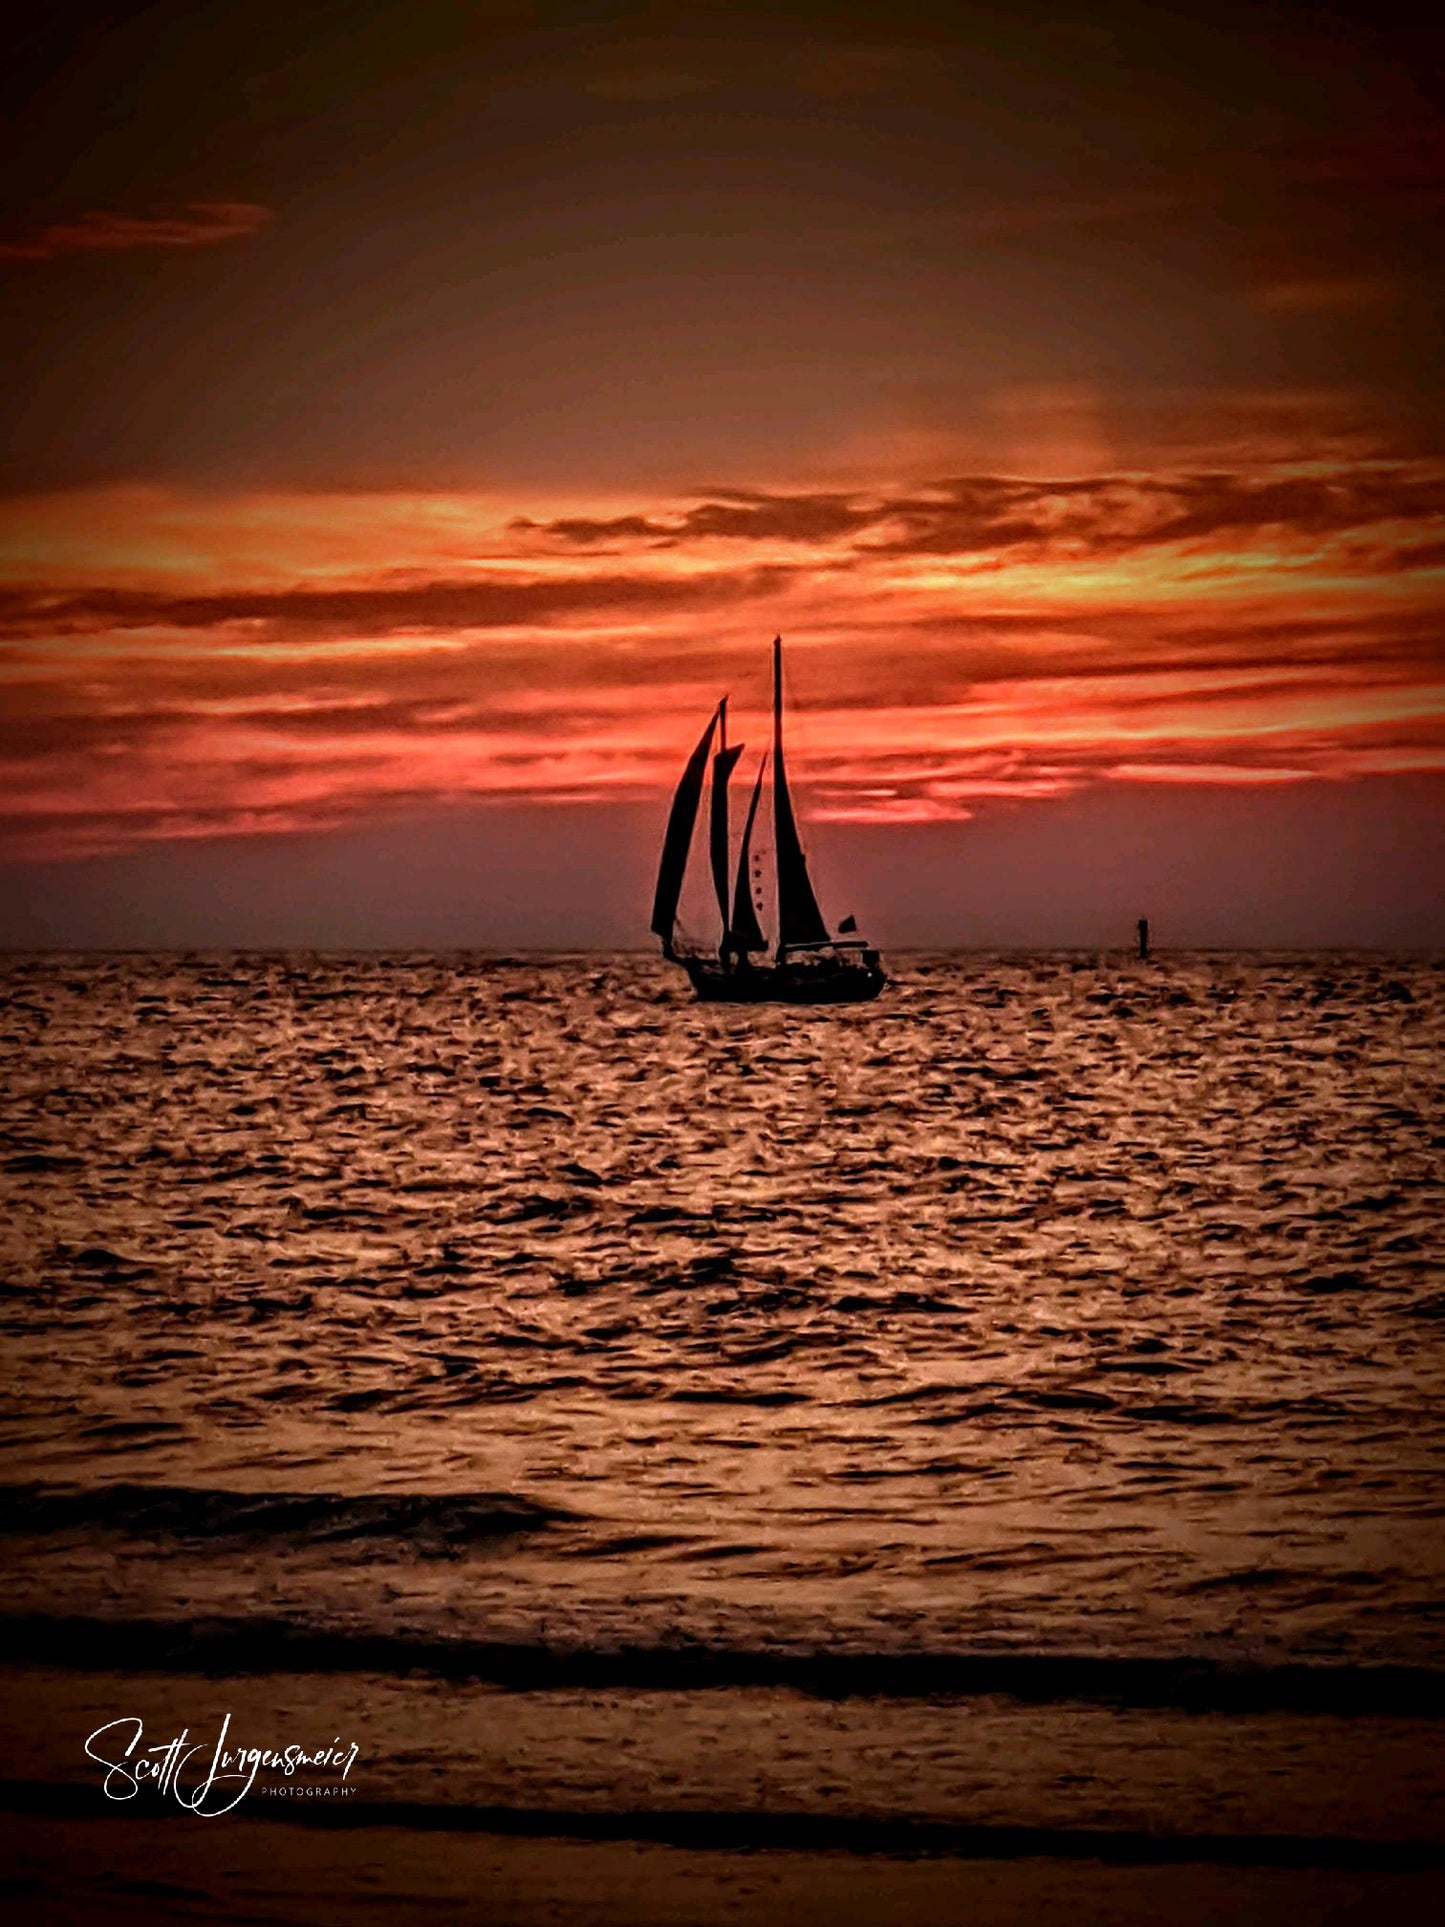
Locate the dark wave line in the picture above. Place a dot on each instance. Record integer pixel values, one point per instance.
(200, 1513)
(723, 1830)
(243, 1647)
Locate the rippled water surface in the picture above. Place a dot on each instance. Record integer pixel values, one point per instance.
(1052, 1305)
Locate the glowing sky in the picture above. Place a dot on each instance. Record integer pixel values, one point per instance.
(418, 417)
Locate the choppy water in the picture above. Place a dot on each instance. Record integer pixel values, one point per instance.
(1059, 1328)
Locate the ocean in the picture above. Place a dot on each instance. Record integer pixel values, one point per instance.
(997, 1427)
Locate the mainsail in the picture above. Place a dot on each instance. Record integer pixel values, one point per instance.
(800, 921)
(675, 845)
(744, 929)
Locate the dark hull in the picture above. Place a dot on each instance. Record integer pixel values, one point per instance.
(784, 983)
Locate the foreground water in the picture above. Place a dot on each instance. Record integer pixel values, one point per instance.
(1059, 1334)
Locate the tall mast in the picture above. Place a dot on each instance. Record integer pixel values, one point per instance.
(779, 780)
(777, 699)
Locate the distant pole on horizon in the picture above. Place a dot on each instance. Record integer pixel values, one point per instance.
(1143, 929)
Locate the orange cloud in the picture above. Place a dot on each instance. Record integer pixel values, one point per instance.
(200, 224)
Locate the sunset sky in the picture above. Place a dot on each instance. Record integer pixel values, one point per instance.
(416, 417)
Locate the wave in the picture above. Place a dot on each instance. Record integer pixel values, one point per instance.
(426, 1521)
(245, 1646)
(703, 1829)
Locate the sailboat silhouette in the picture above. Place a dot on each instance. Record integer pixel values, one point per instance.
(807, 965)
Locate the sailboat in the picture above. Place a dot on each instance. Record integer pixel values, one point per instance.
(805, 963)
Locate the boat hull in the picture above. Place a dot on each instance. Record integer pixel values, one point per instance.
(784, 983)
